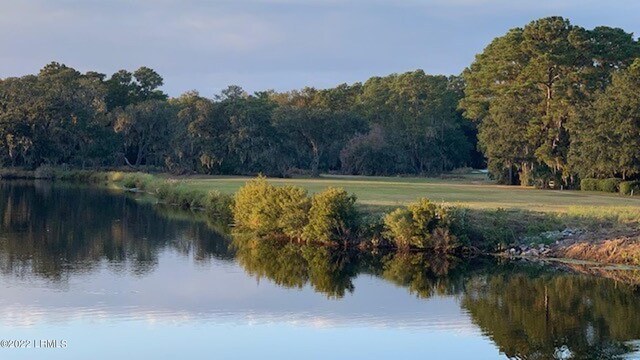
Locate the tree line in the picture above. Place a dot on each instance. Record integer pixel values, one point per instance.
(399, 124)
(548, 103)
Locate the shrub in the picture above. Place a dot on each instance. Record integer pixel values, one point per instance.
(332, 217)
(626, 187)
(422, 225)
(399, 227)
(609, 185)
(589, 185)
(129, 181)
(44, 172)
(138, 181)
(266, 210)
(115, 176)
(219, 205)
(164, 189)
(254, 208)
(293, 205)
(182, 196)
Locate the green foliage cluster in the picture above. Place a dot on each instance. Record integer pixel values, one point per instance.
(630, 187)
(589, 185)
(332, 217)
(264, 209)
(610, 185)
(421, 225)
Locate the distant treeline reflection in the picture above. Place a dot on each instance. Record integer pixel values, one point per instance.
(71, 230)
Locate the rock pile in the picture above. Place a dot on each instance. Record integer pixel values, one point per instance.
(538, 245)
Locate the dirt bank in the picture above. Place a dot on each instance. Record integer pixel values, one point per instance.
(614, 248)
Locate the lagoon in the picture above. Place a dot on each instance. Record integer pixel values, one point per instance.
(116, 276)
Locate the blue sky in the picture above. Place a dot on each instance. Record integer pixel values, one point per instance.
(273, 44)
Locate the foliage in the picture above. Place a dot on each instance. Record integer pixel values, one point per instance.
(62, 117)
(629, 187)
(219, 205)
(318, 128)
(417, 116)
(610, 185)
(255, 207)
(589, 185)
(261, 208)
(333, 217)
(551, 102)
(368, 154)
(530, 92)
(607, 138)
(421, 225)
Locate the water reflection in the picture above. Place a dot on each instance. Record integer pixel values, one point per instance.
(57, 231)
(530, 314)
(122, 258)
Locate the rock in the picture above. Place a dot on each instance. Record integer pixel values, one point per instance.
(563, 352)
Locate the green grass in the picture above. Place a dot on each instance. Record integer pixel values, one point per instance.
(474, 192)
(494, 215)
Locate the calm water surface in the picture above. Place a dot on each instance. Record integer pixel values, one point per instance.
(120, 278)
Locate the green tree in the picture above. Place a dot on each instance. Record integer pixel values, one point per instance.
(147, 128)
(316, 130)
(418, 114)
(548, 70)
(607, 139)
(54, 117)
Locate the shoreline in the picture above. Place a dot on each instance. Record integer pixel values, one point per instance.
(603, 247)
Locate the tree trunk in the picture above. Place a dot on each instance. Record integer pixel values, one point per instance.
(315, 163)
(140, 155)
(510, 174)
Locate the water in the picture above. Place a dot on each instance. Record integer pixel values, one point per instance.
(110, 277)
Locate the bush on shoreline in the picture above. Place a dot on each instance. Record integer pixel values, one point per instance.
(333, 217)
(421, 225)
(264, 209)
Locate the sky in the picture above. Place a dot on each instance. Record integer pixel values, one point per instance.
(273, 44)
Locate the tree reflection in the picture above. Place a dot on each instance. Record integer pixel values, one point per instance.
(529, 316)
(423, 274)
(53, 230)
(329, 271)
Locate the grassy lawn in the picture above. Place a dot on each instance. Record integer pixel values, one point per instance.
(471, 191)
